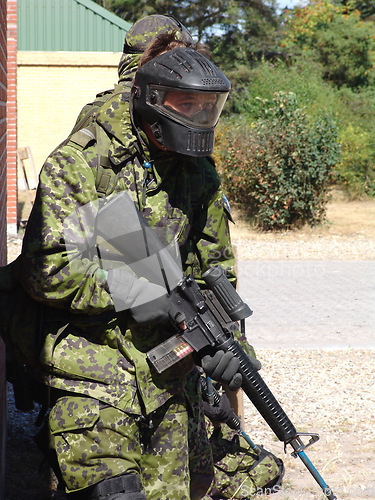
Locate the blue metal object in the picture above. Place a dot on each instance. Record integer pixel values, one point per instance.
(299, 447)
(253, 446)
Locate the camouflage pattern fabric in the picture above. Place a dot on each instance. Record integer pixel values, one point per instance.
(88, 349)
(129, 64)
(144, 31)
(240, 473)
(169, 449)
(94, 443)
(200, 453)
(186, 200)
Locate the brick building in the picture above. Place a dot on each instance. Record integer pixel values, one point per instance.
(12, 116)
(4, 22)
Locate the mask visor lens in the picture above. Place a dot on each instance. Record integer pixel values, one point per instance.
(190, 107)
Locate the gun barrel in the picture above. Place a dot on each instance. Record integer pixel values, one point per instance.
(261, 396)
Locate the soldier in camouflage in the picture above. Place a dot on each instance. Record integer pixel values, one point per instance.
(120, 430)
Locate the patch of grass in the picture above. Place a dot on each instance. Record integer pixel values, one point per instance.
(344, 218)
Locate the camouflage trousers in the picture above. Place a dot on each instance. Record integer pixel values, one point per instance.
(240, 473)
(169, 450)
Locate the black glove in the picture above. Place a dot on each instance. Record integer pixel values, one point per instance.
(223, 367)
(152, 305)
(148, 302)
(221, 413)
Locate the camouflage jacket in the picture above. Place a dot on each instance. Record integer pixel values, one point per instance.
(87, 347)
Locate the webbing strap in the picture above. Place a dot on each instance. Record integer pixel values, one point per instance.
(106, 177)
(103, 179)
(83, 136)
(127, 483)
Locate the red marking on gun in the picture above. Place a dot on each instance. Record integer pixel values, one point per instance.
(169, 352)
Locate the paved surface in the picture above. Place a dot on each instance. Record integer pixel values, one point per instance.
(309, 304)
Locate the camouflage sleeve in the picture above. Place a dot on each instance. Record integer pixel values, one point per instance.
(51, 274)
(213, 241)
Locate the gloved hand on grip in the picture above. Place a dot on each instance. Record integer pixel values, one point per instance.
(221, 413)
(223, 367)
(148, 302)
(153, 306)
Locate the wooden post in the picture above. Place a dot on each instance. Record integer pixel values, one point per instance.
(236, 398)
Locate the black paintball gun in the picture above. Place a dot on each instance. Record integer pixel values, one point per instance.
(211, 318)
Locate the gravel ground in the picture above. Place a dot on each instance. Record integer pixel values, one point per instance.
(282, 247)
(331, 393)
(328, 392)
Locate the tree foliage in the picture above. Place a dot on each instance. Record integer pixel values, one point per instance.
(199, 18)
(206, 19)
(338, 39)
(323, 52)
(346, 52)
(365, 7)
(247, 33)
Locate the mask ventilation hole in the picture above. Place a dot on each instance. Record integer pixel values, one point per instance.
(170, 70)
(206, 66)
(182, 62)
(200, 142)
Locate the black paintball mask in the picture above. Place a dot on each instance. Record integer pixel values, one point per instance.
(180, 95)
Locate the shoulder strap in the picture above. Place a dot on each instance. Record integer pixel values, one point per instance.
(83, 136)
(106, 177)
(87, 130)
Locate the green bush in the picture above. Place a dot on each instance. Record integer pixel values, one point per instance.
(355, 116)
(352, 112)
(303, 78)
(355, 173)
(279, 168)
